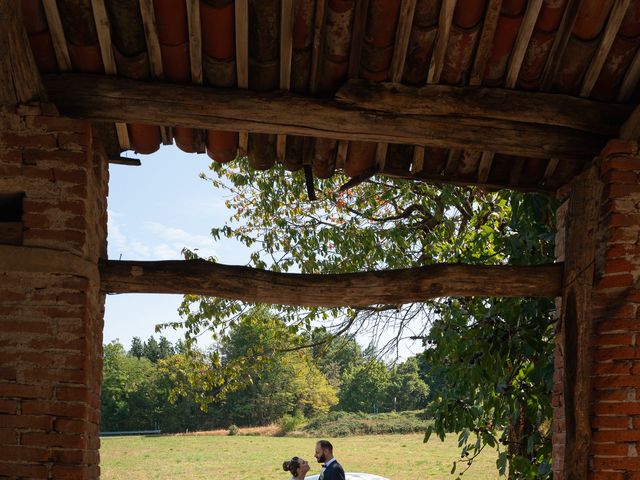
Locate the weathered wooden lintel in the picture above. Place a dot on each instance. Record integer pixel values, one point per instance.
(335, 290)
(481, 123)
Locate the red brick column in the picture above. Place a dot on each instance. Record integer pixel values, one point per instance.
(615, 373)
(50, 305)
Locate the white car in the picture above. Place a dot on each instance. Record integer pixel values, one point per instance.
(354, 476)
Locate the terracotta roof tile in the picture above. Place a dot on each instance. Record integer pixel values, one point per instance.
(575, 62)
(504, 39)
(591, 18)
(462, 45)
(620, 57)
(361, 157)
(469, 13)
(39, 37)
(375, 54)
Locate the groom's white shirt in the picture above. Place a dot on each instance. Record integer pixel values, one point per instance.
(329, 462)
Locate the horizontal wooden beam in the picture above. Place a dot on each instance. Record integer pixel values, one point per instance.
(113, 99)
(131, 162)
(537, 108)
(335, 290)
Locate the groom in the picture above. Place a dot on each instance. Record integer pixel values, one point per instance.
(331, 470)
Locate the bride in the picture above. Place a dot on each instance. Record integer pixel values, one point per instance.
(297, 466)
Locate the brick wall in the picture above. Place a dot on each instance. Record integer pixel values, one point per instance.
(51, 310)
(615, 373)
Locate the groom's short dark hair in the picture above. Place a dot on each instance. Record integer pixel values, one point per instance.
(325, 445)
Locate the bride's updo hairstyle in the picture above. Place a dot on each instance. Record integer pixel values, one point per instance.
(291, 466)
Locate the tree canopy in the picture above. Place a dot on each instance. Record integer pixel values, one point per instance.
(384, 223)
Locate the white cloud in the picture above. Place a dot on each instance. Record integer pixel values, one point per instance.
(154, 241)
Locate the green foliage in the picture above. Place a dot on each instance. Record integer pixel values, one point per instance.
(382, 224)
(342, 424)
(128, 391)
(290, 423)
(276, 379)
(137, 348)
(233, 429)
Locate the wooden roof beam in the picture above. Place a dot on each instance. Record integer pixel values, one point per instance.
(20, 81)
(440, 116)
(393, 287)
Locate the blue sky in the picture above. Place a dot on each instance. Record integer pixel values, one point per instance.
(154, 211)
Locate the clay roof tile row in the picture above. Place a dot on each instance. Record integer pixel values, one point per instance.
(375, 50)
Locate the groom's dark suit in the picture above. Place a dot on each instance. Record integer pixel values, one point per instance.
(334, 471)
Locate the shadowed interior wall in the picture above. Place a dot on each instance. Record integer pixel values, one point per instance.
(51, 309)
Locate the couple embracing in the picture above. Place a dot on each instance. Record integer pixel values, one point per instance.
(331, 469)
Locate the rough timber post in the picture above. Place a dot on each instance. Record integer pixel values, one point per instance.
(597, 386)
(52, 232)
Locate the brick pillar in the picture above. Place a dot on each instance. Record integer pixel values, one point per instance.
(615, 372)
(51, 310)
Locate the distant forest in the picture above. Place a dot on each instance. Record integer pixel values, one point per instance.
(263, 378)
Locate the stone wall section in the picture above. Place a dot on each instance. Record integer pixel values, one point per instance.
(51, 310)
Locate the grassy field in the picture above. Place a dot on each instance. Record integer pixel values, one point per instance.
(399, 457)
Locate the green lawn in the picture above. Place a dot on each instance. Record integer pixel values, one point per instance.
(399, 457)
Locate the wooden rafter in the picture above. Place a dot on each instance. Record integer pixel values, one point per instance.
(104, 98)
(484, 167)
(442, 40)
(560, 43)
(57, 35)
(477, 73)
(195, 40)
(103, 30)
(631, 78)
(522, 42)
(357, 37)
(19, 78)
(286, 53)
(486, 42)
(155, 56)
(335, 290)
(613, 25)
(242, 60)
(151, 36)
(403, 35)
(318, 42)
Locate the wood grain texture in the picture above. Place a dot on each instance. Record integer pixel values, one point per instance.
(57, 35)
(597, 62)
(522, 42)
(195, 40)
(560, 42)
(630, 80)
(517, 106)
(335, 290)
(442, 41)
(103, 29)
(361, 9)
(576, 318)
(20, 80)
(403, 34)
(103, 98)
(151, 37)
(486, 42)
